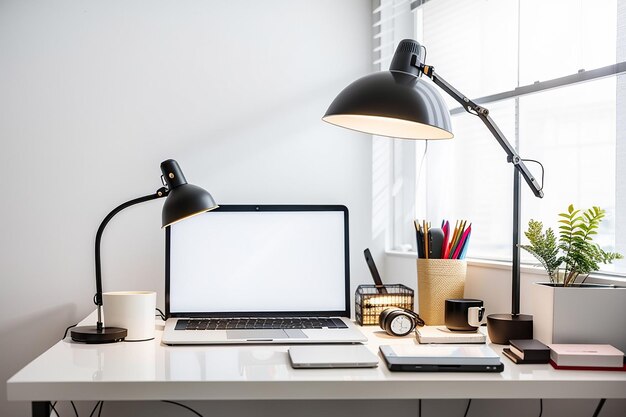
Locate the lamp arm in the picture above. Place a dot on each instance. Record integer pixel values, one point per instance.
(161, 192)
(473, 108)
(520, 169)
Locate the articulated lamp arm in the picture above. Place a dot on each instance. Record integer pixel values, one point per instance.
(520, 169)
(473, 108)
(97, 299)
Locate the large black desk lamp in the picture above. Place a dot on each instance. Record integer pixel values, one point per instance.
(397, 103)
(183, 201)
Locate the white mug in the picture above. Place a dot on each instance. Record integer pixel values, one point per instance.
(131, 310)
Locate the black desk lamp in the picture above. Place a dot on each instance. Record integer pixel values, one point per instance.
(183, 200)
(396, 103)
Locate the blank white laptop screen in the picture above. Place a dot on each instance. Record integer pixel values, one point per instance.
(258, 261)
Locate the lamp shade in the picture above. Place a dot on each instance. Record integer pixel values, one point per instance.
(392, 103)
(184, 200)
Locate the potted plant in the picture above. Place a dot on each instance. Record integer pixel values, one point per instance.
(566, 309)
(575, 254)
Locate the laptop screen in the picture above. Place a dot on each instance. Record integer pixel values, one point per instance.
(259, 260)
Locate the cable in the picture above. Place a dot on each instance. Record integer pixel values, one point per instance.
(540, 406)
(419, 172)
(66, 330)
(161, 314)
(599, 407)
(54, 409)
(469, 402)
(419, 408)
(542, 170)
(74, 407)
(94, 408)
(184, 406)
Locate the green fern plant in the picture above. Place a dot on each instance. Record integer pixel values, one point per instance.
(574, 254)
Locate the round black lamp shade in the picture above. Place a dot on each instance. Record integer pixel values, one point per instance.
(184, 200)
(394, 104)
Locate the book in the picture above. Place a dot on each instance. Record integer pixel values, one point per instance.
(582, 355)
(588, 368)
(517, 360)
(530, 350)
(441, 334)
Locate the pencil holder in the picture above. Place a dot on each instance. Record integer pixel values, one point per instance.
(371, 300)
(438, 280)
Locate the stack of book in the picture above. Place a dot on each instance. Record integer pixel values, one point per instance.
(527, 351)
(586, 357)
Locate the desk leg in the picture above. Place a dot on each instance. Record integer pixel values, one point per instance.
(41, 409)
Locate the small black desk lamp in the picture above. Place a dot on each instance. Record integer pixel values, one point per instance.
(183, 201)
(396, 103)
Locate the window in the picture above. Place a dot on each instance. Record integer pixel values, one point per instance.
(524, 61)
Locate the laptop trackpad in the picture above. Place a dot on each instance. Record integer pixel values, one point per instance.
(264, 334)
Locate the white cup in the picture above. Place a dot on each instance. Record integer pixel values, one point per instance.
(131, 310)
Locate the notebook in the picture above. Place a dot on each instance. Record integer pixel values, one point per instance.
(441, 334)
(259, 274)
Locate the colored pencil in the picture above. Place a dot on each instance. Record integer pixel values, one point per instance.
(457, 251)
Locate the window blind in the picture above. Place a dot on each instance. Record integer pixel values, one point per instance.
(526, 68)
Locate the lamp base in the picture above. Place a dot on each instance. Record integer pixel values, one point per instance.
(505, 327)
(91, 334)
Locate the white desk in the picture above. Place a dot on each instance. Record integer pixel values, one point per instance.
(152, 371)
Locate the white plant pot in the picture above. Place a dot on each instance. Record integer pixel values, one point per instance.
(593, 314)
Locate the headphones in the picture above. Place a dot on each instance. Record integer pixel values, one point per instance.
(399, 321)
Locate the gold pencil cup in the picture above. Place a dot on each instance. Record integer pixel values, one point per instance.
(437, 281)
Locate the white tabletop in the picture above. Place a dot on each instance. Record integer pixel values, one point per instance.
(152, 371)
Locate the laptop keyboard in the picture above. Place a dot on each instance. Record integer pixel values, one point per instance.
(261, 323)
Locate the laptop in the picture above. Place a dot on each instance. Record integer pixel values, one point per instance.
(259, 274)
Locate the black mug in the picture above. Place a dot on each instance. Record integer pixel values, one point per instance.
(464, 314)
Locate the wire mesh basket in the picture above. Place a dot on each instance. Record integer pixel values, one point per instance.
(371, 300)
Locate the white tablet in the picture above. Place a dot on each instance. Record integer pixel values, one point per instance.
(332, 356)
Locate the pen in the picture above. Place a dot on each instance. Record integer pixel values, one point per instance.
(451, 244)
(425, 240)
(418, 236)
(457, 238)
(446, 234)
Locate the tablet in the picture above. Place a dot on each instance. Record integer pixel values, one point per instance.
(332, 356)
(441, 358)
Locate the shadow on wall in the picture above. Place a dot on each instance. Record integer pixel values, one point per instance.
(22, 340)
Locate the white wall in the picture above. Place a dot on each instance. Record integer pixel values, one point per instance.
(95, 94)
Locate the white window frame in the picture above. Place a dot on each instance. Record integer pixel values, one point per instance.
(405, 160)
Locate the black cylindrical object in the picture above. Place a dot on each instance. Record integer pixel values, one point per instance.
(456, 313)
(505, 327)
